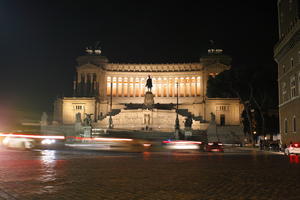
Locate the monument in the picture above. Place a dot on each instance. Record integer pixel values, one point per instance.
(149, 97)
(117, 91)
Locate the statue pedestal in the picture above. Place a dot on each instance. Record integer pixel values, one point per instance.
(149, 100)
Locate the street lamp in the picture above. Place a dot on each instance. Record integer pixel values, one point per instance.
(177, 127)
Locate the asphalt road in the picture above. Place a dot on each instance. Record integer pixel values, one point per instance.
(76, 174)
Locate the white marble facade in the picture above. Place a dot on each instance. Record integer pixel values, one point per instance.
(100, 84)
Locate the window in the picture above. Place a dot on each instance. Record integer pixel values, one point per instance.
(292, 62)
(283, 89)
(78, 107)
(222, 108)
(294, 124)
(293, 86)
(285, 126)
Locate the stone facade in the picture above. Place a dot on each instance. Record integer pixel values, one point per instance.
(287, 55)
(106, 89)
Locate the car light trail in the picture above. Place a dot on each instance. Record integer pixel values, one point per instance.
(57, 137)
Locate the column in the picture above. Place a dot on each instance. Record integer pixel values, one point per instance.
(133, 87)
(108, 81)
(190, 78)
(143, 86)
(125, 86)
(168, 87)
(175, 86)
(195, 87)
(198, 86)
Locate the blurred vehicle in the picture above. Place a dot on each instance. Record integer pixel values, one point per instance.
(293, 148)
(49, 143)
(182, 145)
(30, 141)
(109, 144)
(19, 143)
(214, 147)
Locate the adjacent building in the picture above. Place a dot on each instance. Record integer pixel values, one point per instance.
(287, 55)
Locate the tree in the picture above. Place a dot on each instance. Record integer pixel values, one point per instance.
(255, 88)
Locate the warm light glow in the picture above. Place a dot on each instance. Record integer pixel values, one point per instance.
(120, 86)
(58, 137)
(193, 86)
(101, 139)
(171, 83)
(114, 87)
(198, 86)
(125, 85)
(131, 87)
(137, 89)
(159, 88)
(181, 87)
(108, 86)
(143, 86)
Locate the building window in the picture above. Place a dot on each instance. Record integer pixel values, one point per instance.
(294, 124)
(222, 108)
(293, 86)
(285, 126)
(78, 107)
(283, 89)
(292, 62)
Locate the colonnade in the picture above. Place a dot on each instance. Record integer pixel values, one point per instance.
(188, 86)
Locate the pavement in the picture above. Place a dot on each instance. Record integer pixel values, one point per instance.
(247, 174)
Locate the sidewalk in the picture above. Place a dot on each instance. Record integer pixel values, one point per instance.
(259, 150)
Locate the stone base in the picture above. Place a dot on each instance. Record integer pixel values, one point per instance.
(149, 100)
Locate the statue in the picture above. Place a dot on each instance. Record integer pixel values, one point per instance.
(213, 117)
(88, 50)
(149, 84)
(44, 119)
(188, 122)
(78, 117)
(88, 119)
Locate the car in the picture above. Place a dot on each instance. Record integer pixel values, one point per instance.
(293, 148)
(182, 145)
(18, 143)
(214, 147)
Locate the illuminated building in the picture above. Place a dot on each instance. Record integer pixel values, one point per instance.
(97, 79)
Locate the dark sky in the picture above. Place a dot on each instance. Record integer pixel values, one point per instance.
(40, 40)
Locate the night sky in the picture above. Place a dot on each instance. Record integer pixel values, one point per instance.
(40, 40)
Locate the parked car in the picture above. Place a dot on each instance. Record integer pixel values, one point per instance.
(293, 148)
(214, 147)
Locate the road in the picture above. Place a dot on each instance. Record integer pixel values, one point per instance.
(67, 174)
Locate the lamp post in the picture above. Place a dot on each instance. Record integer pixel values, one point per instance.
(110, 118)
(177, 127)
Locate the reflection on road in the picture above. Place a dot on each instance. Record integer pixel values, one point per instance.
(294, 159)
(48, 172)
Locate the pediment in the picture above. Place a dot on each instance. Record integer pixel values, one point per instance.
(88, 66)
(217, 67)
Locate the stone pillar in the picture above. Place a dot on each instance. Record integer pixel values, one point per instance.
(168, 87)
(190, 86)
